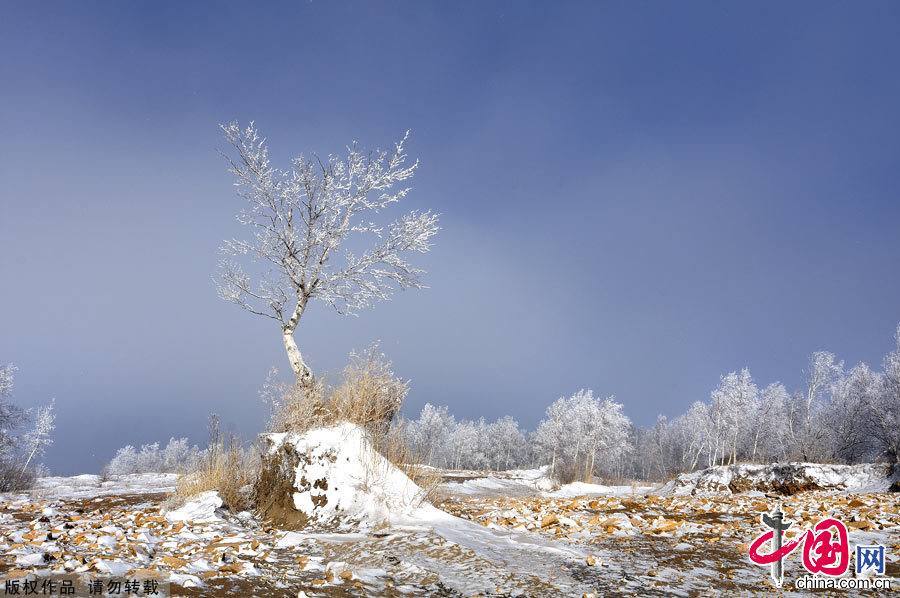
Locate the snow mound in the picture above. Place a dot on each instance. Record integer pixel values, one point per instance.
(576, 489)
(783, 478)
(200, 509)
(512, 482)
(333, 477)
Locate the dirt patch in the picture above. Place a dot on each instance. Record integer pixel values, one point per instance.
(273, 493)
(124, 501)
(785, 480)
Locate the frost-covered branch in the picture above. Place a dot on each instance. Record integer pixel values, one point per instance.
(300, 222)
(41, 436)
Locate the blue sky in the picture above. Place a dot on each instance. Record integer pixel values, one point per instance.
(635, 198)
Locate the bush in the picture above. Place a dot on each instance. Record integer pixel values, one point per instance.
(369, 395)
(13, 478)
(226, 467)
(178, 456)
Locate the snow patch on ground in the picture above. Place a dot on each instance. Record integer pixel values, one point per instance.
(514, 482)
(200, 509)
(584, 489)
(92, 486)
(527, 482)
(785, 478)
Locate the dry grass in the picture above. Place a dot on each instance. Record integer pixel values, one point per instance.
(393, 447)
(226, 468)
(13, 479)
(369, 395)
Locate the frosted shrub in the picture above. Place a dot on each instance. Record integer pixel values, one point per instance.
(19, 451)
(177, 456)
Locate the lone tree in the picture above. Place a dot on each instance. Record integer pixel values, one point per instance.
(301, 220)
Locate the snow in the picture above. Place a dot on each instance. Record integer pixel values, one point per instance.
(345, 480)
(528, 482)
(200, 509)
(518, 553)
(291, 539)
(31, 559)
(185, 580)
(514, 482)
(782, 477)
(107, 541)
(584, 489)
(115, 568)
(92, 486)
(489, 545)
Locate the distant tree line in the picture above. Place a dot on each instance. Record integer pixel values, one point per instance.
(838, 416)
(176, 457)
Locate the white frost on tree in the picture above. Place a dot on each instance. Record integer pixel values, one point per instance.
(176, 457)
(9, 413)
(302, 222)
(731, 408)
(440, 440)
(823, 372)
(839, 416)
(429, 435)
(582, 435)
(40, 437)
(886, 410)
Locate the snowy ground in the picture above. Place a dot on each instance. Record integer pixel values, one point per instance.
(501, 534)
(525, 482)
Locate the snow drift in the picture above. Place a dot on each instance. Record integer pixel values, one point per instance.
(200, 509)
(332, 477)
(784, 478)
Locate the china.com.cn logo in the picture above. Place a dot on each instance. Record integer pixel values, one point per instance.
(826, 548)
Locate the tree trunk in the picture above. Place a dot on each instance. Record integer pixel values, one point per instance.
(301, 370)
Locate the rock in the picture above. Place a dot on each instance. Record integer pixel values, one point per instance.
(231, 568)
(174, 562)
(114, 568)
(31, 560)
(549, 520)
(107, 541)
(199, 509)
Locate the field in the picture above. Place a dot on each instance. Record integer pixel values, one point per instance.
(496, 534)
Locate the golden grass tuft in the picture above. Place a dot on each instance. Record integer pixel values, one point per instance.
(369, 395)
(226, 468)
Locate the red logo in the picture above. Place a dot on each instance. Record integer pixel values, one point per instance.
(826, 548)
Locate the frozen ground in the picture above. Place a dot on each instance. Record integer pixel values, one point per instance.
(500, 534)
(525, 482)
(90, 486)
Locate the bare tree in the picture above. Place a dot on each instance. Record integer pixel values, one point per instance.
(301, 218)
